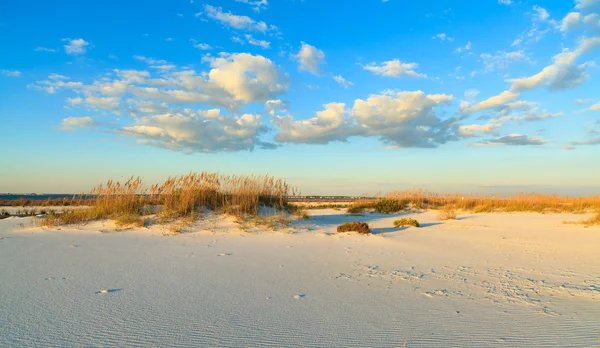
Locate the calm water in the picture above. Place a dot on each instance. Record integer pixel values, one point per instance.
(40, 197)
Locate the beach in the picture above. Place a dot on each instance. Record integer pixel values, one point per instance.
(483, 280)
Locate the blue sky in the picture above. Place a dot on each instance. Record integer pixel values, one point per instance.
(338, 97)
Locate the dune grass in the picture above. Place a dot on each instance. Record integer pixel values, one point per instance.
(355, 226)
(523, 202)
(186, 196)
(406, 222)
(447, 213)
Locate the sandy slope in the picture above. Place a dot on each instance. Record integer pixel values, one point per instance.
(501, 280)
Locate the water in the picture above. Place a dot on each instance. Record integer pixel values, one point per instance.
(37, 197)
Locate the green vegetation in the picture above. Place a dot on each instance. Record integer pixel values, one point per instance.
(355, 226)
(406, 222)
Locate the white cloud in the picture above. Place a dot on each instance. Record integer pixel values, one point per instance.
(511, 140)
(471, 93)
(505, 2)
(495, 101)
(541, 13)
(235, 21)
(502, 59)
(398, 119)
(69, 124)
(200, 45)
(595, 107)
(200, 131)
(394, 68)
(44, 49)
(562, 73)
(592, 21)
(257, 5)
(272, 106)
(247, 77)
(76, 46)
(584, 4)
(443, 37)
(342, 81)
(466, 48)
(571, 21)
(475, 129)
(309, 58)
(11, 73)
(327, 126)
(254, 42)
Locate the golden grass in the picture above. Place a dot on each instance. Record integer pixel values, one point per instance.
(522, 202)
(447, 213)
(185, 196)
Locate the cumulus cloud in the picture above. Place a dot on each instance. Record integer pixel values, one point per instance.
(571, 21)
(69, 124)
(511, 140)
(11, 73)
(327, 126)
(247, 77)
(342, 81)
(398, 119)
(309, 58)
(394, 68)
(235, 21)
(76, 46)
(201, 131)
(585, 4)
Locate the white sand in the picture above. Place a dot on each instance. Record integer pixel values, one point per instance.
(502, 280)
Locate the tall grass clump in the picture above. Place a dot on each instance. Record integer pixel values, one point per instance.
(185, 196)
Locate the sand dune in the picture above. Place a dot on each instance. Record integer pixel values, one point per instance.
(491, 280)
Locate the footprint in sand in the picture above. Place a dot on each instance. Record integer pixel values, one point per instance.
(299, 296)
(224, 254)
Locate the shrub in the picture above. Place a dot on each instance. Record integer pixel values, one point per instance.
(388, 206)
(355, 226)
(360, 207)
(406, 222)
(447, 213)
